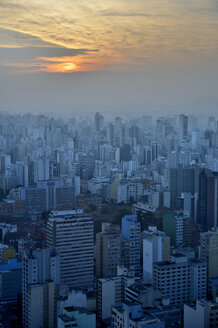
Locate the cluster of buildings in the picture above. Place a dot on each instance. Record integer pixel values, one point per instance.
(108, 223)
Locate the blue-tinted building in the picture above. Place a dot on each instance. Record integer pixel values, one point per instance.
(131, 230)
(10, 279)
(127, 315)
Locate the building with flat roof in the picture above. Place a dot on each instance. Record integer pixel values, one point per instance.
(10, 279)
(209, 251)
(71, 232)
(131, 315)
(131, 230)
(40, 275)
(156, 248)
(181, 280)
(203, 315)
(108, 250)
(76, 317)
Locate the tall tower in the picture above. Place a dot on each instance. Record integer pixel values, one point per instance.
(208, 199)
(156, 248)
(40, 274)
(209, 251)
(71, 232)
(131, 230)
(183, 126)
(108, 250)
(99, 121)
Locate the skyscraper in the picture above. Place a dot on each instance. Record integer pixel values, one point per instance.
(71, 232)
(108, 250)
(181, 280)
(40, 273)
(131, 229)
(156, 247)
(208, 199)
(209, 251)
(99, 121)
(183, 126)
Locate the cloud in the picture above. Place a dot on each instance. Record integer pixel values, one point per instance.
(111, 32)
(10, 46)
(123, 14)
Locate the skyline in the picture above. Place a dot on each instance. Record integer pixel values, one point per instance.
(121, 56)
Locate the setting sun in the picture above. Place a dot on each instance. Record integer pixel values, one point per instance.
(69, 67)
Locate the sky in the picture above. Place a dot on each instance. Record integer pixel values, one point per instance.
(118, 56)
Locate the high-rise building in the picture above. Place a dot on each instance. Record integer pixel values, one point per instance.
(111, 291)
(181, 280)
(99, 121)
(87, 165)
(208, 199)
(108, 250)
(40, 274)
(182, 179)
(111, 134)
(203, 315)
(131, 230)
(71, 232)
(49, 195)
(106, 293)
(40, 306)
(156, 248)
(209, 251)
(180, 227)
(183, 126)
(188, 203)
(29, 177)
(10, 279)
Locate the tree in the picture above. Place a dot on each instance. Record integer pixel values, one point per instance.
(122, 212)
(92, 207)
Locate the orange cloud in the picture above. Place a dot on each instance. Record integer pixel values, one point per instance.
(10, 46)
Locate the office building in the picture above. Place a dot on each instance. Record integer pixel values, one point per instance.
(40, 276)
(49, 195)
(181, 280)
(10, 279)
(76, 317)
(128, 315)
(99, 121)
(203, 315)
(108, 250)
(156, 248)
(209, 251)
(111, 291)
(208, 199)
(180, 227)
(145, 294)
(40, 305)
(131, 230)
(71, 232)
(183, 126)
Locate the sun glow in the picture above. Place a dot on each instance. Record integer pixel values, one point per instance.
(69, 66)
(58, 64)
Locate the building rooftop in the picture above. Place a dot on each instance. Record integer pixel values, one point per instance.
(65, 318)
(12, 264)
(78, 309)
(59, 216)
(66, 213)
